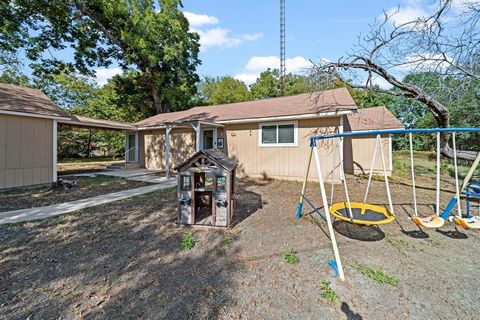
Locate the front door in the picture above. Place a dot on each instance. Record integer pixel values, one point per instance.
(131, 148)
(208, 139)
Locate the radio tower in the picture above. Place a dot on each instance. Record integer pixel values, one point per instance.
(282, 48)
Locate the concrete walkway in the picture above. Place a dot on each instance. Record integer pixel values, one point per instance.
(66, 207)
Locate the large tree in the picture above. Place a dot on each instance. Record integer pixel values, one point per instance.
(267, 85)
(221, 90)
(150, 36)
(446, 43)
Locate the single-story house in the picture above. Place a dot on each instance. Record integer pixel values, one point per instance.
(268, 138)
(28, 135)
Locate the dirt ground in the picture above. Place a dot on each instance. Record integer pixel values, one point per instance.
(71, 166)
(123, 261)
(86, 187)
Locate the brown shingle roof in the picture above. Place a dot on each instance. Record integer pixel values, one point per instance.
(81, 121)
(376, 118)
(27, 100)
(309, 103)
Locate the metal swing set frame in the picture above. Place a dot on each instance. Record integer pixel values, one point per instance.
(367, 214)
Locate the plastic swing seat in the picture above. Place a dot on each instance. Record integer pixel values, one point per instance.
(468, 223)
(362, 213)
(429, 222)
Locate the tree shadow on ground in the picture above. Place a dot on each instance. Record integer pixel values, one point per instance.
(358, 232)
(351, 315)
(118, 261)
(247, 201)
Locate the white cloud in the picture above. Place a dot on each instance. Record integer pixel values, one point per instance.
(406, 14)
(382, 83)
(424, 62)
(198, 20)
(248, 78)
(256, 65)
(212, 35)
(220, 37)
(102, 75)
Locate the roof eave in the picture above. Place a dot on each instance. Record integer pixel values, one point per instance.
(290, 117)
(33, 115)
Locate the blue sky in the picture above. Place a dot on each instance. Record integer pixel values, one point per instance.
(241, 38)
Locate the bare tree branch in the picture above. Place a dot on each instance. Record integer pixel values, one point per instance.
(446, 43)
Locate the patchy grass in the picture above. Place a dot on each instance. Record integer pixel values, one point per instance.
(400, 244)
(91, 159)
(86, 187)
(227, 240)
(400, 167)
(71, 166)
(378, 275)
(328, 293)
(290, 256)
(187, 242)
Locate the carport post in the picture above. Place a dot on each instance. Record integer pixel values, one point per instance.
(167, 152)
(54, 151)
(196, 127)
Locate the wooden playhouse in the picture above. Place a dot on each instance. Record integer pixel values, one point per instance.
(206, 189)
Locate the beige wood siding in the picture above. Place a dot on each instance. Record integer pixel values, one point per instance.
(152, 147)
(182, 145)
(280, 162)
(358, 152)
(26, 148)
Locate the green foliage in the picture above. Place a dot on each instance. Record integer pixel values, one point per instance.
(400, 168)
(221, 90)
(378, 275)
(150, 36)
(267, 85)
(187, 242)
(13, 76)
(444, 167)
(290, 256)
(327, 292)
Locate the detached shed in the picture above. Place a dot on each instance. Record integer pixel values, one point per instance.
(206, 189)
(357, 151)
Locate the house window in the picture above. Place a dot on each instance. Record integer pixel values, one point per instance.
(278, 134)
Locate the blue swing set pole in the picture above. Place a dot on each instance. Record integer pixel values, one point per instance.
(313, 140)
(300, 202)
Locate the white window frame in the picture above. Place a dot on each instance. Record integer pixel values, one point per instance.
(214, 137)
(274, 145)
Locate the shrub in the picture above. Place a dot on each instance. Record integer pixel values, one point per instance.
(327, 292)
(379, 275)
(291, 257)
(187, 242)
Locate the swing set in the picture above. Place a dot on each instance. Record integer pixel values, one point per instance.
(364, 213)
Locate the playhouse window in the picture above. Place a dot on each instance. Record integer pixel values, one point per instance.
(221, 184)
(278, 134)
(186, 183)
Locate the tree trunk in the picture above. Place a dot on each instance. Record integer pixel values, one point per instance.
(89, 142)
(165, 108)
(157, 104)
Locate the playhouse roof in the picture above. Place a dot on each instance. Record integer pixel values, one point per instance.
(316, 103)
(214, 155)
